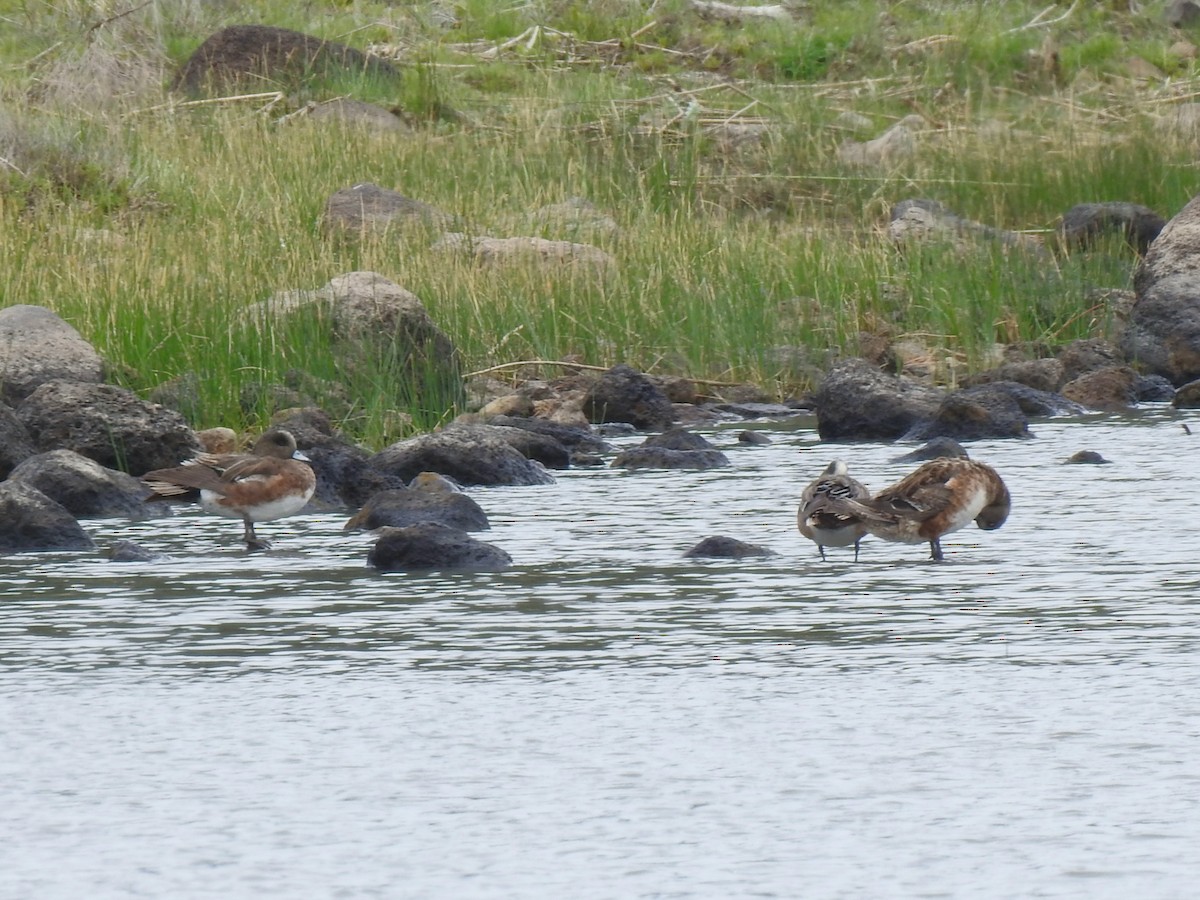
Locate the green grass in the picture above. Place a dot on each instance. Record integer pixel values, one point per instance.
(153, 229)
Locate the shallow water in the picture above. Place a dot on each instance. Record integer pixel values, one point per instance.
(609, 719)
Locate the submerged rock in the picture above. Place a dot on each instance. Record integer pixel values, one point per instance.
(430, 546)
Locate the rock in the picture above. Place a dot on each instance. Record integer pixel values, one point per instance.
(1181, 13)
(752, 437)
(974, 414)
(1163, 332)
(15, 443)
(1032, 402)
(1187, 396)
(470, 454)
(353, 113)
(518, 405)
(411, 506)
(539, 446)
(1088, 457)
(925, 221)
(935, 449)
(1083, 226)
(128, 551)
(32, 522)
(496, 251)
(573, 218)
(622, 394)
(858, 402)
(369, 207)
(1039, 374)
(430, 546)
(676, 448)
(1153, 389)
(36, 346)
(576, 440)
(897, 143)
(82, 486)
(1087, 355)
(1112, 389)
(251, 54)
(723, 547)
(345, 477)
(108, 424)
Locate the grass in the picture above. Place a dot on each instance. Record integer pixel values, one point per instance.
(153, 229)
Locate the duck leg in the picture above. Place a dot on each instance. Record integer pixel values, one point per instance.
(821, 550)
(856, 545)
(935, 550)
(253, 541)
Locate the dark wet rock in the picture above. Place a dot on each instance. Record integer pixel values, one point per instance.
(411, 506)
(1087, 458)
(1040, 374)
(623, 394)
(758, 410)
(31, 522)
(1187, 396)
(752, 437)
(973, 414)
(1162, 335)
(935, 449)
(858, 402)
(129, 551)
(1110, 390)
(1153, 389)
(723, 547)
(1033, 403)
(575, 439)
(665, 458)
(109, 424)
(430, 546)
(1087, 355)
(615, 429)
(676, 448)
(263, 55)
(82, 486)
(15, 443)
(470, 454)
(369, 207)
(1084, 225)
(345, 476)
(538, 446)
(36, 347)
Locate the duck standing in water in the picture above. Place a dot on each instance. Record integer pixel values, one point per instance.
(823, 525)
(941, 496)
(267, 484)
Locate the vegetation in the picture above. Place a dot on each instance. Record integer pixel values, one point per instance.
(748, 249)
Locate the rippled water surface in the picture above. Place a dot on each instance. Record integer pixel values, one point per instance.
(609, 719)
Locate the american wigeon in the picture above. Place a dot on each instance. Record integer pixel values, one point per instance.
(824, 525)
(268, 483)
(941, 496)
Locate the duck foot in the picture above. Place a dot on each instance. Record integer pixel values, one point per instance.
(935, 551)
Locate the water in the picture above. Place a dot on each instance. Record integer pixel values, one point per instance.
(611, 720)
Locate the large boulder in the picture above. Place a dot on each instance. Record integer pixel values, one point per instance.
(368, 207)
(1084, 225)
(973, 414)
(623, 394)
(470, 454)
(108, 424)
(430, 546)
(1163, 331)
(676, 448)
(32, 522)
(1113, 389)
(37, 346)
(265, 56)
(15, 443)
(82, 486)
(858, 402)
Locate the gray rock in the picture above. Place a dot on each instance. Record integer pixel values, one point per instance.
(470, 454)
(129, 551)
(15, 443)
(1084, 225)
(622, 394)
(430, 546)
(369, 207)
(858, 402)
(1113, 389)
(36, 346)
(400, 508)
(1039, 374)
(109, 424)
(935, 449)
(1163, 331)
(1187, 396)
(1153, 389)
(82, 486)
(753, 437)
(666, 458)
(355, 114)
(926, 221)
(31, 522)
(724, 547)
(1088, 458)
(973, 414)
(576, 440)
(1087, 355)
